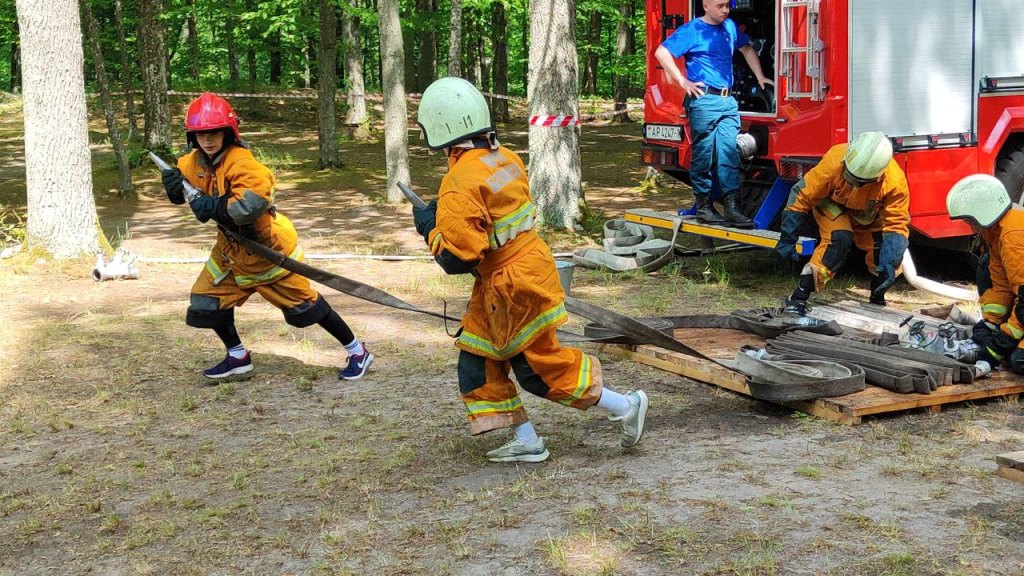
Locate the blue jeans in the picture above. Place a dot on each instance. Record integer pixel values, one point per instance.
(714, 125)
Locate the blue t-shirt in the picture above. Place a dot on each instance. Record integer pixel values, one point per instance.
(708, 50)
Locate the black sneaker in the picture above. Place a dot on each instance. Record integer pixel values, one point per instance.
(230, 366)
(797, 307)
(357, 366)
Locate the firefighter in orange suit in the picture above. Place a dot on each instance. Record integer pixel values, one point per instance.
(483, 224)
(859, 197)
(983, 202)
(238, 194)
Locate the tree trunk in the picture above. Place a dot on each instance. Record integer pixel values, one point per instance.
(427, 68)
(499, 70)
(455, 40)
(234, 73)
(396, 134)
(15, 62)
(192, 46)
(354, 70)
(326, 84)
(471, 71)
(58, 176)
(482, 57)
(524, 46)
(127, 73)
(592, 56)
(275, 58)
(555, 180)
(625, 45)
(124, 172)
(153, 53)
(250, 52)
(311, 77)
(409, 51)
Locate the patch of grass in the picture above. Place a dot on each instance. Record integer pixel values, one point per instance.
(807, 471)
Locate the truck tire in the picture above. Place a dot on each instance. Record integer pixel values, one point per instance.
(1010, 171)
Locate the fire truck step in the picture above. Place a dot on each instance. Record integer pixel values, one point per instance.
(690, 225)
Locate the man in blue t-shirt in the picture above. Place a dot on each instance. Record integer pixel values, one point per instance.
(708, 43)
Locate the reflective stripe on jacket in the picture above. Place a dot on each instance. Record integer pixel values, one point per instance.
(485, 213)
(1006, 267)
(250, 188)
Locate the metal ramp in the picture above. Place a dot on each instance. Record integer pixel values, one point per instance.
(690, 225)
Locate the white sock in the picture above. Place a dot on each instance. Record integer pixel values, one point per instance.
(355, 348)
(526, 433)
(612, 401)
(237, 352)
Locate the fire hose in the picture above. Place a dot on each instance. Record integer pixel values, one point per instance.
(823, 379)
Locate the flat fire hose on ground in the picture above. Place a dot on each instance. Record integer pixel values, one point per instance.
(622, 324)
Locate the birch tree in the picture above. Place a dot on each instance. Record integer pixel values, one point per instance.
(555, 177)
(396, 133)
(61, 210)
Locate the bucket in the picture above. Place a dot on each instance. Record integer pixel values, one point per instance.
(565, 274)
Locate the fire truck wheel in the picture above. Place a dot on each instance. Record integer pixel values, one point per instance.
(1010, 170)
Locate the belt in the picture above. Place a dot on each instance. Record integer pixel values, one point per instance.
(723, 92)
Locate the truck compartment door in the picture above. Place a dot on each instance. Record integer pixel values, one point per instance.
(911, 70)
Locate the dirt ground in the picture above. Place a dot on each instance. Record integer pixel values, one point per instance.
(115, 459)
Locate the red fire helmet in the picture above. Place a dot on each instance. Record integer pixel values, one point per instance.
(210, 112)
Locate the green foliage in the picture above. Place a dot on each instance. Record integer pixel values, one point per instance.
(283, 37)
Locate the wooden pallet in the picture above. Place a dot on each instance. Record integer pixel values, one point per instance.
(1011, 466)
(849, 409)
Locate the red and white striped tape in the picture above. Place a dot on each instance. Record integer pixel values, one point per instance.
(554, 121)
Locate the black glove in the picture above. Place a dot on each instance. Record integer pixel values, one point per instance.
(890, 256)
(791, 223)
(425, 219)
(220, 213)
(1017, 361)
(174, 184)
(996, 344)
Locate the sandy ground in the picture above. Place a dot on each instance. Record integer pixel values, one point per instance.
(114, 459)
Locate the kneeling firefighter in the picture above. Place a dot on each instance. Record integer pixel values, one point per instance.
(483, 224)
(982, 201)
(859, 197)
(237, 192)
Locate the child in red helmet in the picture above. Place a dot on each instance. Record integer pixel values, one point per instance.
(238, 194)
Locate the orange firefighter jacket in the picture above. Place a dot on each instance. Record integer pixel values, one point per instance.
(1006, 267)
(884, 204)
(485, 213)
(249, 187)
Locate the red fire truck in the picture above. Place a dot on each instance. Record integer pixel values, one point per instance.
(943, 79)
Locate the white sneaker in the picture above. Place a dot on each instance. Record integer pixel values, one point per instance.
(633, 422)
(516, 451)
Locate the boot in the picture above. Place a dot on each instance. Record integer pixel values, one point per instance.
(735, 218)
(705, 211)
(797, 301)
(878, 299)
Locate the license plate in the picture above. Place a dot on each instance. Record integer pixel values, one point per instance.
(660, 132)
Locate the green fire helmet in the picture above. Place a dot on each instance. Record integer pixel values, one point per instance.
(980, 198)
(451, 110)
(868, 156)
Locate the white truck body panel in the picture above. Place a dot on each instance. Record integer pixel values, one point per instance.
(911, 66)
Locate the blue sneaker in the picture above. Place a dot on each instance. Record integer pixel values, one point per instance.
(357, 366)
(229, 366)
